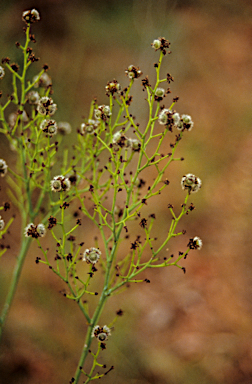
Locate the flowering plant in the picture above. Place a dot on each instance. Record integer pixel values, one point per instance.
(108, 160)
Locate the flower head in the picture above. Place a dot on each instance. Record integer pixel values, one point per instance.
(168, 118)
(2, 72)
(49, 126)
(33, 97)
(185, 123)
(133, 72)
(3, 167)
(161, 43)
(91, 255)
(159, 94)
(31, 16)
(191, 183)
(89, 127)
(135, 145)
(102, 112)
(101, 333)
(112, 87)
(43, 81)
(35, 231)
(60, 183)
(41, 230)
(195, 243)
(46, 106)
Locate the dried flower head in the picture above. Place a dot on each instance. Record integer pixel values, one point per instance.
(64, 128)
(91, 255)
(33, 97)
(185, 123)
(168, 118)
(31, 16)
(133, 72)
(89, 127)
(2, 72)
(101, 333)
(161, 43)
(195, 243)
(60, 183)
(119, 140)
(41, 230)
(43, 81)
(2, 224)
(112, 87)
(102, 112)
(46, 106)
(49, 126)
(135, 145)
(191, 183)
(35, 231)
(3, 167)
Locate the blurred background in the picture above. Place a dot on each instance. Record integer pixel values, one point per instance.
(180, 329)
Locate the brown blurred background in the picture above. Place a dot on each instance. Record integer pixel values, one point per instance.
(180, 329)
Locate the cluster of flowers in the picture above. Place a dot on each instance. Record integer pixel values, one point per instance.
(35, 231)
(60, 183)
(119, 140)
(173, 119)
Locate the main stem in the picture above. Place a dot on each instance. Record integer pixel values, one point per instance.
(14, 281)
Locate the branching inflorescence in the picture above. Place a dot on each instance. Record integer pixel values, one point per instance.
(116, 155)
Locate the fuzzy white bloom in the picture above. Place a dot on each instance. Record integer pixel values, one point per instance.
(89, 127)
(2, 223)
(133, 72)
(191, 183)
(43, 81)
(49, 126)
(160, 92)
(135, 145)
(33, 97)
(198, 242)
(156, 44)
(102, 112)
(60, 183)
(64, 128)
(31, 16)
(3, 167)
(185, 123)
(101, 333)
(41, 230)
(2, 72)
(46, 106)
(35, 231)
(195, 243)
(91, 255)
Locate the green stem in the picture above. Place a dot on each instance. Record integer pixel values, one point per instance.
(14, 282)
